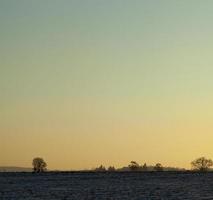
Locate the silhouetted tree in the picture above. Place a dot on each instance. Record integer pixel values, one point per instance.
(100, 169)
(39, 165)
(158, 167)
(144, 167)
(134, 166)
(111, 168)
(202, 164)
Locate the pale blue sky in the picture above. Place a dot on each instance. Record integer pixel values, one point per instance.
(120, 45)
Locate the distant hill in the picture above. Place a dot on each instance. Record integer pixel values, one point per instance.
(15, 169)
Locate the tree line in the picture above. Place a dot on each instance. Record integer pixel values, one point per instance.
(133, 166)
(201, 164)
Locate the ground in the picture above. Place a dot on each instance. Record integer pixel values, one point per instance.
(107, 186)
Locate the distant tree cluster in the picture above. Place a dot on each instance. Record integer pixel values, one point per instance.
(133, 166)
(111, 168)
(158, 167)
(202, 164)
(101, 168)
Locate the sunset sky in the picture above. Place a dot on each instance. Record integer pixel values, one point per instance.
(84, 83)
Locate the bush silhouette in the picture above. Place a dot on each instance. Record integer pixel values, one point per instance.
(158, 167)
(100, 169)
(202, 164)
(111, 168)
(39, 165)
(134, 166)
(144, 167)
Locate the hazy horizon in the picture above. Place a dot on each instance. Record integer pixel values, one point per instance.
(85, 83)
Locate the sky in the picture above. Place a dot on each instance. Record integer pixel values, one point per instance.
(85, 83)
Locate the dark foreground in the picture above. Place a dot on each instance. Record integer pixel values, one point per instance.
(78, 186)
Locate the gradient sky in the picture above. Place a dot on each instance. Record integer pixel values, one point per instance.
(84, 83)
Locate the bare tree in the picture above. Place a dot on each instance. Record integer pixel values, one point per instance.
(158, 167)
(202, 164)
(134, 166)
(39, 165)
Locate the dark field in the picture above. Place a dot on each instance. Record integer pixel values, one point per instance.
(123, 185)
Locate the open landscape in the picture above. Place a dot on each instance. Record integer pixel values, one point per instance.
(107, 186)
(106, 100)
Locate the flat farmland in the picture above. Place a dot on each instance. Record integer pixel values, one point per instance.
(106, 186)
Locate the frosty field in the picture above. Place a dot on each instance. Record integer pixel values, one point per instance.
(125, 185)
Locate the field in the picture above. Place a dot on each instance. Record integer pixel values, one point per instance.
(125, 185)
